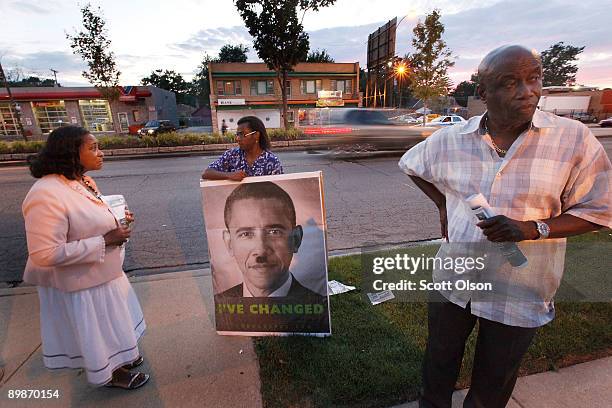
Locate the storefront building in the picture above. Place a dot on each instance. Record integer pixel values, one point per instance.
(242, 89)
(43, 109)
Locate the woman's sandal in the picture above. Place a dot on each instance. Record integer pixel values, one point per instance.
(137, 380)
(134, 363)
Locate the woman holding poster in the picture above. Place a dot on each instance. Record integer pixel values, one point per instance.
(252, 157)
(90, 317)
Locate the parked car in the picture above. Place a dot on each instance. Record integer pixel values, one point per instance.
(405, 119)
(584, 117)
(606, 122)
(155, 127)
(447, 120)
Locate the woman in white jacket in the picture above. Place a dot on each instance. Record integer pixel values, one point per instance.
(90, 316)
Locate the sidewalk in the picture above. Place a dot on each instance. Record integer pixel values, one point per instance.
(191, 366)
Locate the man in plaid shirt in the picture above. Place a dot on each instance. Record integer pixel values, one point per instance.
(547, 178)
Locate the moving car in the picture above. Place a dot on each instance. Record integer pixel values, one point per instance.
(606, 122)
(359, 130)
(155, 127)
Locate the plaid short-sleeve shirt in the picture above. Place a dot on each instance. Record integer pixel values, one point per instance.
(267, 164)
(555, 167)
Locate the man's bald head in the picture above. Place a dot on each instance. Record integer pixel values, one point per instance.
(510, 84)
(492, 62)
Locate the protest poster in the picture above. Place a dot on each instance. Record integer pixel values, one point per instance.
(268, 254)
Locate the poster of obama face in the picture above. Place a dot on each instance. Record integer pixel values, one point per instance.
(268, 255)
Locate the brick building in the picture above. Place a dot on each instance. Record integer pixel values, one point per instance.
(241, 89)
(43, 109)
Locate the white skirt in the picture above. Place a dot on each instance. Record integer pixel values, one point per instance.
(96, 329)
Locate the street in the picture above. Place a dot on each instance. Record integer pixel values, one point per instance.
(368, 202)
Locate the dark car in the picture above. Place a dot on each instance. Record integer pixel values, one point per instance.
(606, 122)
(155, 127)
(584, 117)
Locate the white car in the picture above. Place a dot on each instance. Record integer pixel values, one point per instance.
(448, 120)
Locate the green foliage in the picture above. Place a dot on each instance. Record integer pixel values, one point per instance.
(119, 142)
(93, 46)
(32, 81)
(319, 56)
(170, 81)
(200, 86)
(558, 64)
(278, 34)
(233, 53)
(431, 59)
(285, 134)
(162, 140)
(465, 89)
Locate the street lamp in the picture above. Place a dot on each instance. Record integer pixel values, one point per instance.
(401, 70)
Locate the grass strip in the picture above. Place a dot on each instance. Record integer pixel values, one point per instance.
(374, 356)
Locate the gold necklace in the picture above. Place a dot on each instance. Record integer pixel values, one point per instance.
(497, 149)
(91, 189)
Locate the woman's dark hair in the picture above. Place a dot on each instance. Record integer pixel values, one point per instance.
(254, 123)
(60, 154)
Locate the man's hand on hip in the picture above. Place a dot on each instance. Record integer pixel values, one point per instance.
(443, 221)
(503, 229)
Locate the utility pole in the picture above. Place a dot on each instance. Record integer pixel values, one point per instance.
(55, 76)
(12, 104)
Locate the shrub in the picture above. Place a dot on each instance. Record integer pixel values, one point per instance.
(119, 142)
(4, 148)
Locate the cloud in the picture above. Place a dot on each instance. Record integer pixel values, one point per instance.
(39, 64)
(34, 7)
(211, 40)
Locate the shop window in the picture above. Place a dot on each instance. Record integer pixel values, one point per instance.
(50, 115)
(8, 121)
(96, 115)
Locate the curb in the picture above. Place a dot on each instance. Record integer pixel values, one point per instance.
(19, 159)
(26, 289)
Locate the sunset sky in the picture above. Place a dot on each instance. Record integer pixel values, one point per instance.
(147, 35)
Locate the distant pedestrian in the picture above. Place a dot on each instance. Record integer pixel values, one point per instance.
(90, 316)
(252, 157)
(223, 127)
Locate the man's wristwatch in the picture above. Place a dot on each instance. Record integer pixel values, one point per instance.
(542, 228)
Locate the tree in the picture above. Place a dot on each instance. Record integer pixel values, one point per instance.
(465, 89)
(233, 53)
(319, 56)
(200, 85)
(430, 61)
(558, 67)
(279, 38)
(170, 81)
(31, 81)
(93, 46)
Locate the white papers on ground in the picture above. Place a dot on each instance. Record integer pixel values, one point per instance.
(380, 297)
(334, 287)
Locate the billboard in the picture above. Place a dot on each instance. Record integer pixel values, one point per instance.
(381, 45)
